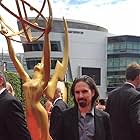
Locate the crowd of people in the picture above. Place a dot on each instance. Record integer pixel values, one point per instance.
(91, 118)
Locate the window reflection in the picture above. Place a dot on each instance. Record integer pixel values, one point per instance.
(38, 46)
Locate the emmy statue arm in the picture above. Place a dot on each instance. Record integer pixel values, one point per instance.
(46, 52)
(24, 76)
(60, 68)
(66, 48)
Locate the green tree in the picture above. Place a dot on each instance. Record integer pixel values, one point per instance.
(69, 96)
(16, 83)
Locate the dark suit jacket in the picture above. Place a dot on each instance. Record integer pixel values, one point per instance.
(58, 107)
(123, 105)
(68, 125)
(12, 119)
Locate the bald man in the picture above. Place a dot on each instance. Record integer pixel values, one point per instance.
(10, 88)
(58, 106)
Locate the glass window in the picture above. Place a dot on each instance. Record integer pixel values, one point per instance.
(55, 46)
(95, 73)
(135, 45)
(117, 62)
(138, 60)
(27, 47)
(116, 47)
(138, 44)
(33, 47)
(40, 46)
(37, 47)
(130, 60)
(110, 62)
(110, 47)
(122, 46)
(122, 62)
(54, 61)
(31, 62)
(129, 45)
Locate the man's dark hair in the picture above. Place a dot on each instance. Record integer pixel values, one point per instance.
(90, 82)
(132, 71)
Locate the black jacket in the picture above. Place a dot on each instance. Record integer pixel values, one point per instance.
(123, 105)
(12, 119)
(57, 109)
(68, 125)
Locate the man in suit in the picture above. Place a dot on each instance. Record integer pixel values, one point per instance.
(84, 121)
(58, 106)
(123, 105)
(12, 120)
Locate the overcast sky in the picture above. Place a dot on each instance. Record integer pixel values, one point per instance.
(120, 17)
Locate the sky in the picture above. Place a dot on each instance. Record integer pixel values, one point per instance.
(120, 17)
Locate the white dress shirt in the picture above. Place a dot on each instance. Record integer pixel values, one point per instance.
(2, 90)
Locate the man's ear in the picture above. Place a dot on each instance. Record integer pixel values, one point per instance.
(138, 77)
(1, 80)
(93, 92)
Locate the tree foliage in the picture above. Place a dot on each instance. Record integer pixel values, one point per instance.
(69, 96)
(16, 83)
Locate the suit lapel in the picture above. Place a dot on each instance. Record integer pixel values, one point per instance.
(98, 125)
(75, 128)
(3, 93)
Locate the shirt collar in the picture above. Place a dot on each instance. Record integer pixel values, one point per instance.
(56, 100)
(130, 84)
(2, 90)
(91, 112)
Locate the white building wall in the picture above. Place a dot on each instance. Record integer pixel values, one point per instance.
(89, 50)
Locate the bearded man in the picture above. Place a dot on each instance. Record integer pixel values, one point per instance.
(84, 121)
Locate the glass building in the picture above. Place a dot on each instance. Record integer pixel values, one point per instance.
(121, 51)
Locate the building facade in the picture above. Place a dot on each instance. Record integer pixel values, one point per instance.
(87, 54)
(121, 51)
(7, 65)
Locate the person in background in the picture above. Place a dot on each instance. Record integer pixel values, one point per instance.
(12, 120)
(10, 88)
(101, 104)
(48, 107)
(58, 106)
(84, 121)
(123, 105)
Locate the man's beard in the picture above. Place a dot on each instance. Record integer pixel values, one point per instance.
(82, 103)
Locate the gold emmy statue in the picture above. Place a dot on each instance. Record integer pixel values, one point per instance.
(40, 84)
